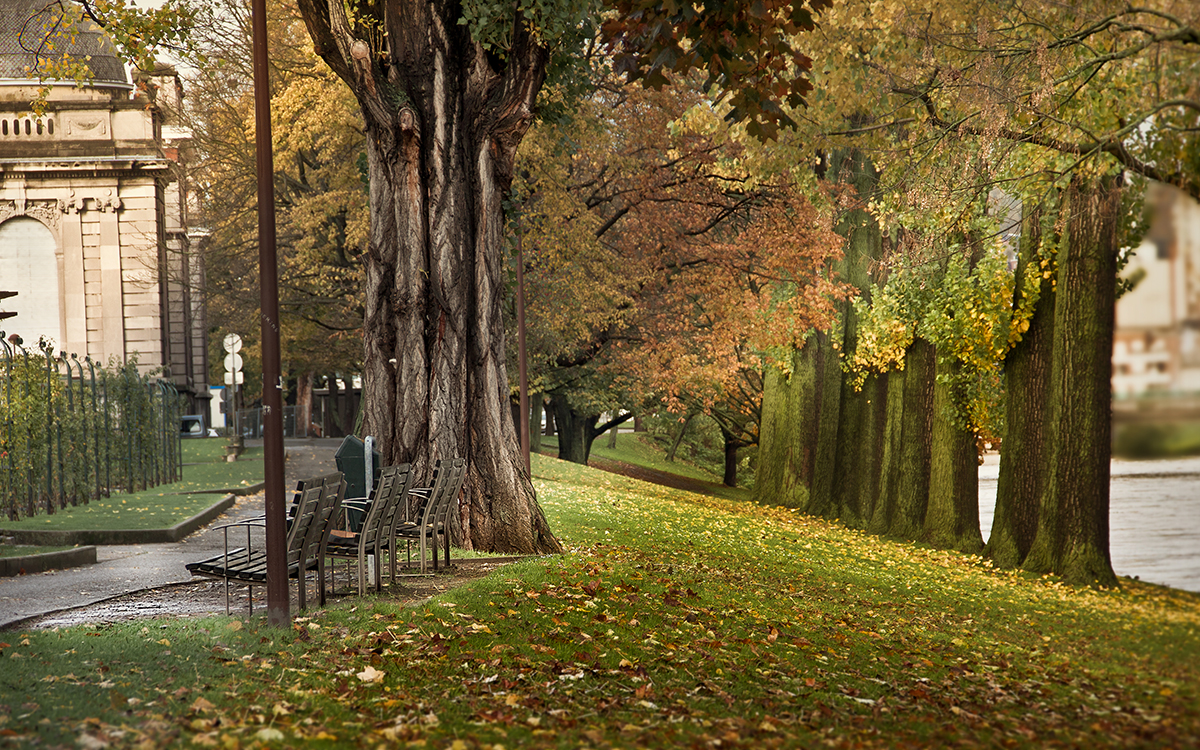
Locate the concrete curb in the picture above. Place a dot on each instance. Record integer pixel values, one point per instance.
(239, 491)
(121, 536)
(40, 563)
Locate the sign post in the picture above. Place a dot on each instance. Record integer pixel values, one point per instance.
(233, 378)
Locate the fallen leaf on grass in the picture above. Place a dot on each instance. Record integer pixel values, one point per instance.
(370, 674)
(200, 704)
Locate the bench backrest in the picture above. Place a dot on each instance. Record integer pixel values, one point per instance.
(447, 483)
(333, 490)
(309, 493)
(386, 503)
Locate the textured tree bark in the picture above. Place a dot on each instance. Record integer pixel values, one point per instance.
(890, 465)
(952, 518)
(904, 486)
(729, 478)
(820, 440)
(536, 410)
(856, 434)
(780, 478)
(1072, 536)
(860, 449)
(1024, 451)
(576, 431)
(826, 409)
(443, 119)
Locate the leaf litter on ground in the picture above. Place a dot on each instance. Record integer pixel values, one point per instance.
(673, 620)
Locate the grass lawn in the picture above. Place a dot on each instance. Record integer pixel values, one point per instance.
(673, 620)
(637, 449)
(21, 550)
(204, 471)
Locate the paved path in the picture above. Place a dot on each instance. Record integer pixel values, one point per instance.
(127, 568)
(1154, 518)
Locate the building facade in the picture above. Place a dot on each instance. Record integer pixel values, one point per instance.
(93, 210)
(1156, 347)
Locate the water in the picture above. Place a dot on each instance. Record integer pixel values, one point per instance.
(1154, 518)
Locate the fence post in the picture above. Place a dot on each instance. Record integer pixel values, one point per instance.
(9, 501)
(58, 430)
(49, 422)
(81, 484)
(171, 431)
(95, 417)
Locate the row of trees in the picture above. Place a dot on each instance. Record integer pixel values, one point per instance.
(1024, 129)
(672, 251)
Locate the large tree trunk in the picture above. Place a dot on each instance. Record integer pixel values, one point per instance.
(304, 402)
(860, 414)
(1024, 450)
(732, 443)
(784, 467)
(904, 482)
(952, 518)
(443, 120)
(827, 394)
(1072, 536)
(576, 431)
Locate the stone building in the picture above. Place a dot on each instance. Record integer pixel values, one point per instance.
(93, 209)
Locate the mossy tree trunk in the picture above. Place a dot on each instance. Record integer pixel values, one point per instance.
(820, 439)
(855, 437)
(1024, 450)
(1072, 536)
(782, 474)
(904, 479)
(952, 516)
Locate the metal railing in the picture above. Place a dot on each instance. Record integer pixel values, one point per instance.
(71, 432)
(252, 424)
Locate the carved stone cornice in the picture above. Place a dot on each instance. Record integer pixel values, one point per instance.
(47, 212)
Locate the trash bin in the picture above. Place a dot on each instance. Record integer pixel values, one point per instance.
(351, 461)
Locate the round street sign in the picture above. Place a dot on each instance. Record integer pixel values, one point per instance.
(233, 362)
(232, 342)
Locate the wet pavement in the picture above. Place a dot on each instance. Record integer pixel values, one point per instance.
(124, 569)
(1154, 518)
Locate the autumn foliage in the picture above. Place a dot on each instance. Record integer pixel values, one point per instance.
(660, 259)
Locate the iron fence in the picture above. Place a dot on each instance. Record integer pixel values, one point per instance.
(71, 431)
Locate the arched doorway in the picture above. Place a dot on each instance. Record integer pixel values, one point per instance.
(29, 266)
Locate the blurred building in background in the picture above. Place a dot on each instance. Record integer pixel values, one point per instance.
(1156, 348)
(93, 208)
